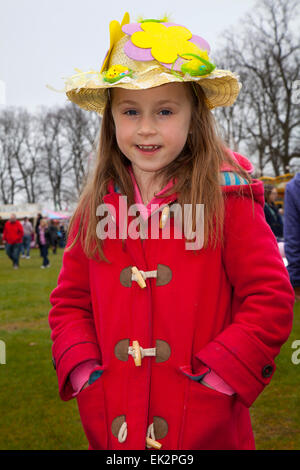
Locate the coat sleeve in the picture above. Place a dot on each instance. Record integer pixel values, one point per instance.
(71, 318)
(262, 304)
(292, 236)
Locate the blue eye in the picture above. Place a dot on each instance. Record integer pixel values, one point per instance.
(165, 112)
(131, 112)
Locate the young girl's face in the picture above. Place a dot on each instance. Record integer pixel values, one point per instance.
(152, 125)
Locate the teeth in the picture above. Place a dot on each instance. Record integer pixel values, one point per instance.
(148, 147)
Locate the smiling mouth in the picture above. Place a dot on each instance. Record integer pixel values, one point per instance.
(148, 148)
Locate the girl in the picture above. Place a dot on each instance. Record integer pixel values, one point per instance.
(44, 242)
(53, 236)
(166, 340)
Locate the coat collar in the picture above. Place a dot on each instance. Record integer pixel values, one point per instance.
(230, 181)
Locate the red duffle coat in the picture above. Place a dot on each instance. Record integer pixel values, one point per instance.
(228, 310)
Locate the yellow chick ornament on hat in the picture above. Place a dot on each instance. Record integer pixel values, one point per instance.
(115, 73)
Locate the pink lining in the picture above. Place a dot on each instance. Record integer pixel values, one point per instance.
(80, 375)
(217, 383)
(146, 211)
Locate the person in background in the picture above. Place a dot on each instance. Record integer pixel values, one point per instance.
(272, 213)
(44, 242)
(12, 238)
(281, 211)
(53, 236)
(38, 220)
(62, 236)
(292, 231)
(28, 229)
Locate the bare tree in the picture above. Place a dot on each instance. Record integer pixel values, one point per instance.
(266, 54)
(56, 161)
(81, 129)
(11, 147)
(45, 155)
(29, 159)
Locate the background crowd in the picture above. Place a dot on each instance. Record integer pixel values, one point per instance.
(20, 236)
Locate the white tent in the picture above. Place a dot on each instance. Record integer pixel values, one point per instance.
(21, 210)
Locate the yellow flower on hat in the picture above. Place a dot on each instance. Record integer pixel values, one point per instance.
(115, 33)
(166, 43)
(152, 53)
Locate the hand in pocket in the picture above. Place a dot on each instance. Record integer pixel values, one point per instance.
(95, 375)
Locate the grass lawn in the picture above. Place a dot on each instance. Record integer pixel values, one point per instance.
(276, 412)
(32, 414)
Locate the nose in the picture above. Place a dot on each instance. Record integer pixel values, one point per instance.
(146, 127)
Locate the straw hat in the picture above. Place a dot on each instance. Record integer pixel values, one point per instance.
(149, 54)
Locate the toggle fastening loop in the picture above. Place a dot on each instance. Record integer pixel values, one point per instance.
(122, 435)
(138, 353)
(140, 276)
(145, 274)
(150, 439)
(162, 275)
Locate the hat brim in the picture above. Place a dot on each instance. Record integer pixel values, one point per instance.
(221, 88)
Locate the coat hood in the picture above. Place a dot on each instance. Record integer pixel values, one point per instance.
(231, 182)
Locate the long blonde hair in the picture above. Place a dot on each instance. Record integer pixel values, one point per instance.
(195, 173)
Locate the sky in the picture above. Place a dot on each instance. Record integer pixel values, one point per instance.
(43, 41)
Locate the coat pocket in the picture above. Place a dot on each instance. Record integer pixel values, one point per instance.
(92, 410)
(210, 420)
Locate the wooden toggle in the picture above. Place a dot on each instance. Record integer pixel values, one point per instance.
(151, 443)
(164, 216)
(137, 353)
(140, 280)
